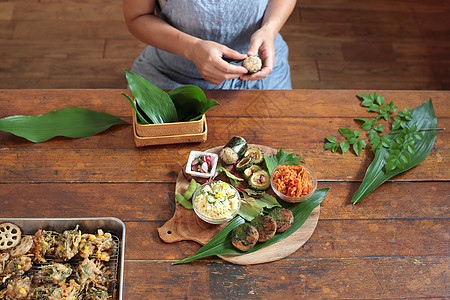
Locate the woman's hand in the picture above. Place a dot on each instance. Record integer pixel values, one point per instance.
(207, 57)
(262, 44)
(262, 41)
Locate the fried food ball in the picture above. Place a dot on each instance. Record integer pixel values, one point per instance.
(266, 226)
(24, 246)
(283, 217)
(252, 63)
(18, 288)
(244, 237)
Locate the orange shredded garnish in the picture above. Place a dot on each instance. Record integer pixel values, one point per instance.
(292, 181)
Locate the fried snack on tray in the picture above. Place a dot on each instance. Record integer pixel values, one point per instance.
(93, 277)
(88, 279)
(100, 244)
(24, 246)
(53, 273)
(67, 244)
(62, 291)
(18, 288)
(3, 260)
(10, 235)
(17, 266)
(43, 244)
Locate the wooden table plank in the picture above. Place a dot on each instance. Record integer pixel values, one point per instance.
(234, 103)
(150, 201)
(94, 165)
(331, 238)
(368, 277)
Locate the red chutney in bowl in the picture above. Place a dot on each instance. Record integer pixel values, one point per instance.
(293, 182)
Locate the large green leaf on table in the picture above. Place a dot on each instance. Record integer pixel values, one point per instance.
(68, 122)
(153, 101)
(221, 243)
(190, 102)
(424, 118)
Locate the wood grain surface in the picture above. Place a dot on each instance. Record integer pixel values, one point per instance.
(392, 245)
(339, 44)
(185, 225)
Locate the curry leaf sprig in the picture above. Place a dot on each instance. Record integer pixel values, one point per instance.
(400, 141)
(407, 145)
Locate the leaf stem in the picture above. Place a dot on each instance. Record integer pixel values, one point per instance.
(421, 129)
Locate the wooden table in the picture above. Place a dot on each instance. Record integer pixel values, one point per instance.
(393, 244)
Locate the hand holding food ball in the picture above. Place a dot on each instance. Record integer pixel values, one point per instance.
(188, 39)
(207, 57)
(261, 50)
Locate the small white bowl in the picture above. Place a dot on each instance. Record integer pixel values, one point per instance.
(195, 154)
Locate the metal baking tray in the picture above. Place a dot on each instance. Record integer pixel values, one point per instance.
(115, 226)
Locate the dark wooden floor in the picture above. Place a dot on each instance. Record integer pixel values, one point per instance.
(334, 44)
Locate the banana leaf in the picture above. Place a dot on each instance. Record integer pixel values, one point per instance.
(221, 243)
(190, 102)
(68, 122)
(423, 117)
(153, 101)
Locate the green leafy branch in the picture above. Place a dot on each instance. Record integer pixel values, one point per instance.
(408, 144)
(400, 141)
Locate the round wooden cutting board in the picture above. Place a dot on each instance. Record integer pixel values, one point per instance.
(186, 226)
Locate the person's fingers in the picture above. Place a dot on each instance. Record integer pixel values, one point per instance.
(232, 53)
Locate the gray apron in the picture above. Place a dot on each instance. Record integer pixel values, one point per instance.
(230, 23)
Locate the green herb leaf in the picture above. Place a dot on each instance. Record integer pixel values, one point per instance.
(220, 169)
(334, 148)
(346, 132)
(274, 160)
(373, 107)
(221, 243)
(267, 201)
(327, 146)
(331, 139)
(358, 146)
(378, 172)
(68, 122)
(344, 146)
(153, 101)
(380, 100)
(249, 209)
(366, 125)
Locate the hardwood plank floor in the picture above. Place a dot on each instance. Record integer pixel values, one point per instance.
(334, 44)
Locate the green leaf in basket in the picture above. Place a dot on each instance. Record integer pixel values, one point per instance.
(221, 243)
(68, 122)
(153, 101)
(382, 169)
(138, 112)
(190, 102)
